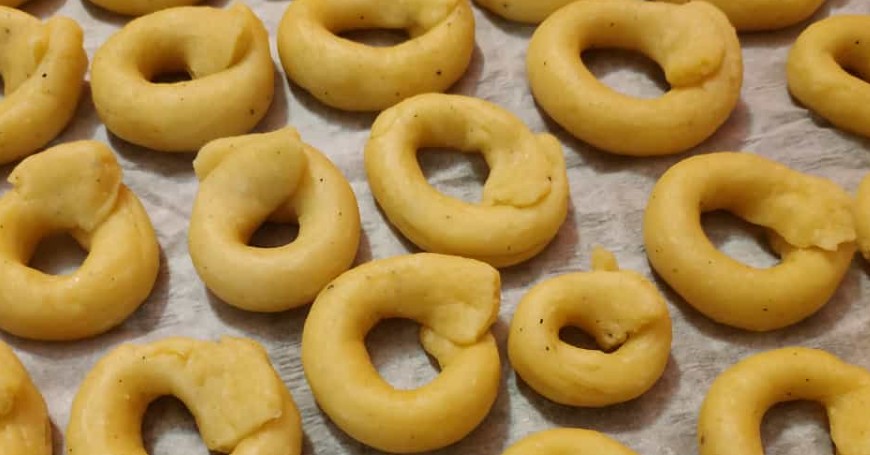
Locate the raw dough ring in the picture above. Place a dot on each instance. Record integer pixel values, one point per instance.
(456, 301)
(620, 308)
(811, 226)
(356, 77)
(226, 53)
(525, 197)
(761, 15)
(24, 425)
(730, 418)
(816, 74)
(246, 180)
(694, 44)
(862, 217)
(563, 441)
(140, 7)
(76, 188)
(240, 405)
(43, 69)
(526, 11)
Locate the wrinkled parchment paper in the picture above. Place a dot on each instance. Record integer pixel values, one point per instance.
(608, 195)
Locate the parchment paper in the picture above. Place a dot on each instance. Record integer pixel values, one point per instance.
(608, 199)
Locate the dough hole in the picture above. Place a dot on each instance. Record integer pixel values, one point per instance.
(171, 77)
(628, 72)
(273, 235)
(394, 347)
(578, 338)
(455, 174)
(795, 427)
(377, 37)
(739, 239)
(168, 428)
(59, 254)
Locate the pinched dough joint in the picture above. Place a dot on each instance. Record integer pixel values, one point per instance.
(694, 44)
(526, 11)
(74, 188)
(247, 180)
(24, 425)
(140, 7)
(818, 76)
(240, 405)
(563, 441)
(811, 228)
(43, 68)
(621, 309)
(226, 54)
(356, 77)
(525, 197)
(735, 405)
(762, 15)
(456, 301)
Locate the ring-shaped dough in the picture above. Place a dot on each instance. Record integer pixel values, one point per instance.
(456, 301)
(24, 425)
(226, 54)
(75, 188)
(862, 217)
(730, 418)
(240, 405)
(526, 11)
(694, 44)
(356, 77)
(246, 180)
(525, 197)
(621, 309)
(43, 68)
(140, 7)
(761, 15)
(564, 441)
(817, 75)
(811, 227)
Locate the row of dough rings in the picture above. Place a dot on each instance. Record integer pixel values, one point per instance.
(700, 55)
(525, 196)
(731, 415)
(75, 188)
(746, 15)
(811, 228)
(43, 71)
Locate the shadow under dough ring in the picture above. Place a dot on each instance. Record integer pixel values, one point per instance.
(357, 77)
(694, 44)
(731, 416)
(140, 7)
(247, 180)
(456, 301)
(74, 188)
(810, 224)
(818, 76)
(761, 15)
(563, 441)
(43, 69)
(240, 405)
(226, 54)
(24, 425)
(621, 309)
(525, 196)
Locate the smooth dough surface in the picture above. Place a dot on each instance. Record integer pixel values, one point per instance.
(526, 11)
(568, 441)
(140, 7)
(764, 15)
(24, 425)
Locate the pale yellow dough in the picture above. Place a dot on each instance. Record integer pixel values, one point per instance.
(456, 301)
(356, 77)
(730, 418)
(140, 7)
(75, 188)
(24, 425)
(568, 441)
(43, 68)
(811, 228)
(247, 180)
(621, 309)
(226, 54)
(527, 11)
(862, 217)
(817, 75)
(761, 15)
(694, 44)
(12, 3)
(525, 197)
(240, 405)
